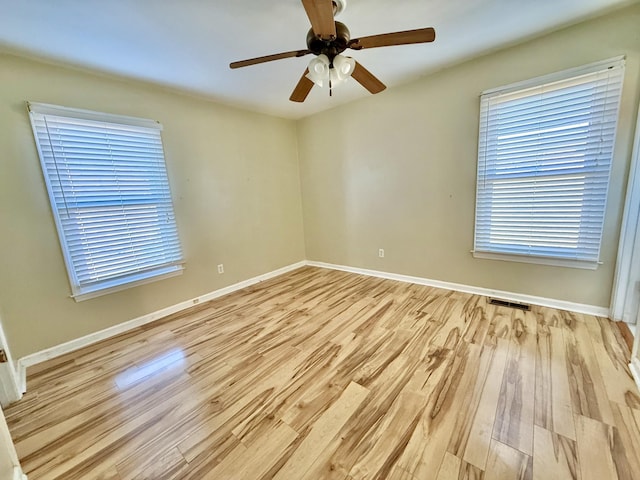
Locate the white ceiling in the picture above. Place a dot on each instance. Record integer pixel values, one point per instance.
(188, 44)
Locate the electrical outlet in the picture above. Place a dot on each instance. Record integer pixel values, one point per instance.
(381, 252)
(221, 268)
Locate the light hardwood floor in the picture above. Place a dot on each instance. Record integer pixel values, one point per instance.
(321, 374)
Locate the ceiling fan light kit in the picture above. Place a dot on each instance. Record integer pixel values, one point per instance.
(327, 39)
(323, 71)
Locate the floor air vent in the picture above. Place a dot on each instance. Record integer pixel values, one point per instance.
(505, 303)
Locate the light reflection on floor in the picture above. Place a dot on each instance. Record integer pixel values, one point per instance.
(171, 359)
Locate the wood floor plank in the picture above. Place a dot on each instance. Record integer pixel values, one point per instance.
(555, 456)
(453, 468)
(400, 474)
(322, 432)
(507, 463)
(452, 320)
(478, 312)
(553, 409)
(321, 374)
(246, 462)
(515, 416)
(477, 448)
(625, 335)
(470, 397)
(588, 391)
(380, 458)
(449, 468)
(165, 465)
(594, 439)
(500, 325)
(110, 473)
(627, 439)
(428, 445)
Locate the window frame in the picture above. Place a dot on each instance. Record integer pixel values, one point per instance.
(98, 288)
(522, 87)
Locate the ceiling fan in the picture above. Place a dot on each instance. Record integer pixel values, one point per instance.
(327, 39)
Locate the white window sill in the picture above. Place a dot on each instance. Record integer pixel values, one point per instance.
(555, 262)
(142, 279)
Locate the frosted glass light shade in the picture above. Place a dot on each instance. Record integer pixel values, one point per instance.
(319, 70)
(343, 66)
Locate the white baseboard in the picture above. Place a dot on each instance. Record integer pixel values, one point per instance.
(18, 475)
(78, 343)
(510, 296)
(81, 342)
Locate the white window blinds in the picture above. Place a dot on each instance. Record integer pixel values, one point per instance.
(109, 192)
(543, 165)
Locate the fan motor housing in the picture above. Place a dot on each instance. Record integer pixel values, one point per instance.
(331, 47)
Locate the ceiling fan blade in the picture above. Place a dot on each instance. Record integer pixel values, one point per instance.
(302, 89)
(320, 13)
(269, 58)
(367, 79)
(421, 35)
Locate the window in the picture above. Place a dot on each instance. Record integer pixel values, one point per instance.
(544, 156)
(110, 197)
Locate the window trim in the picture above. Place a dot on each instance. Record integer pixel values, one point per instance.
(537, 260)
(104, 287)
(617, 62)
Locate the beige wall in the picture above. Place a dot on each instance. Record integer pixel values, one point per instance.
(397, 170)
(234, 178)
